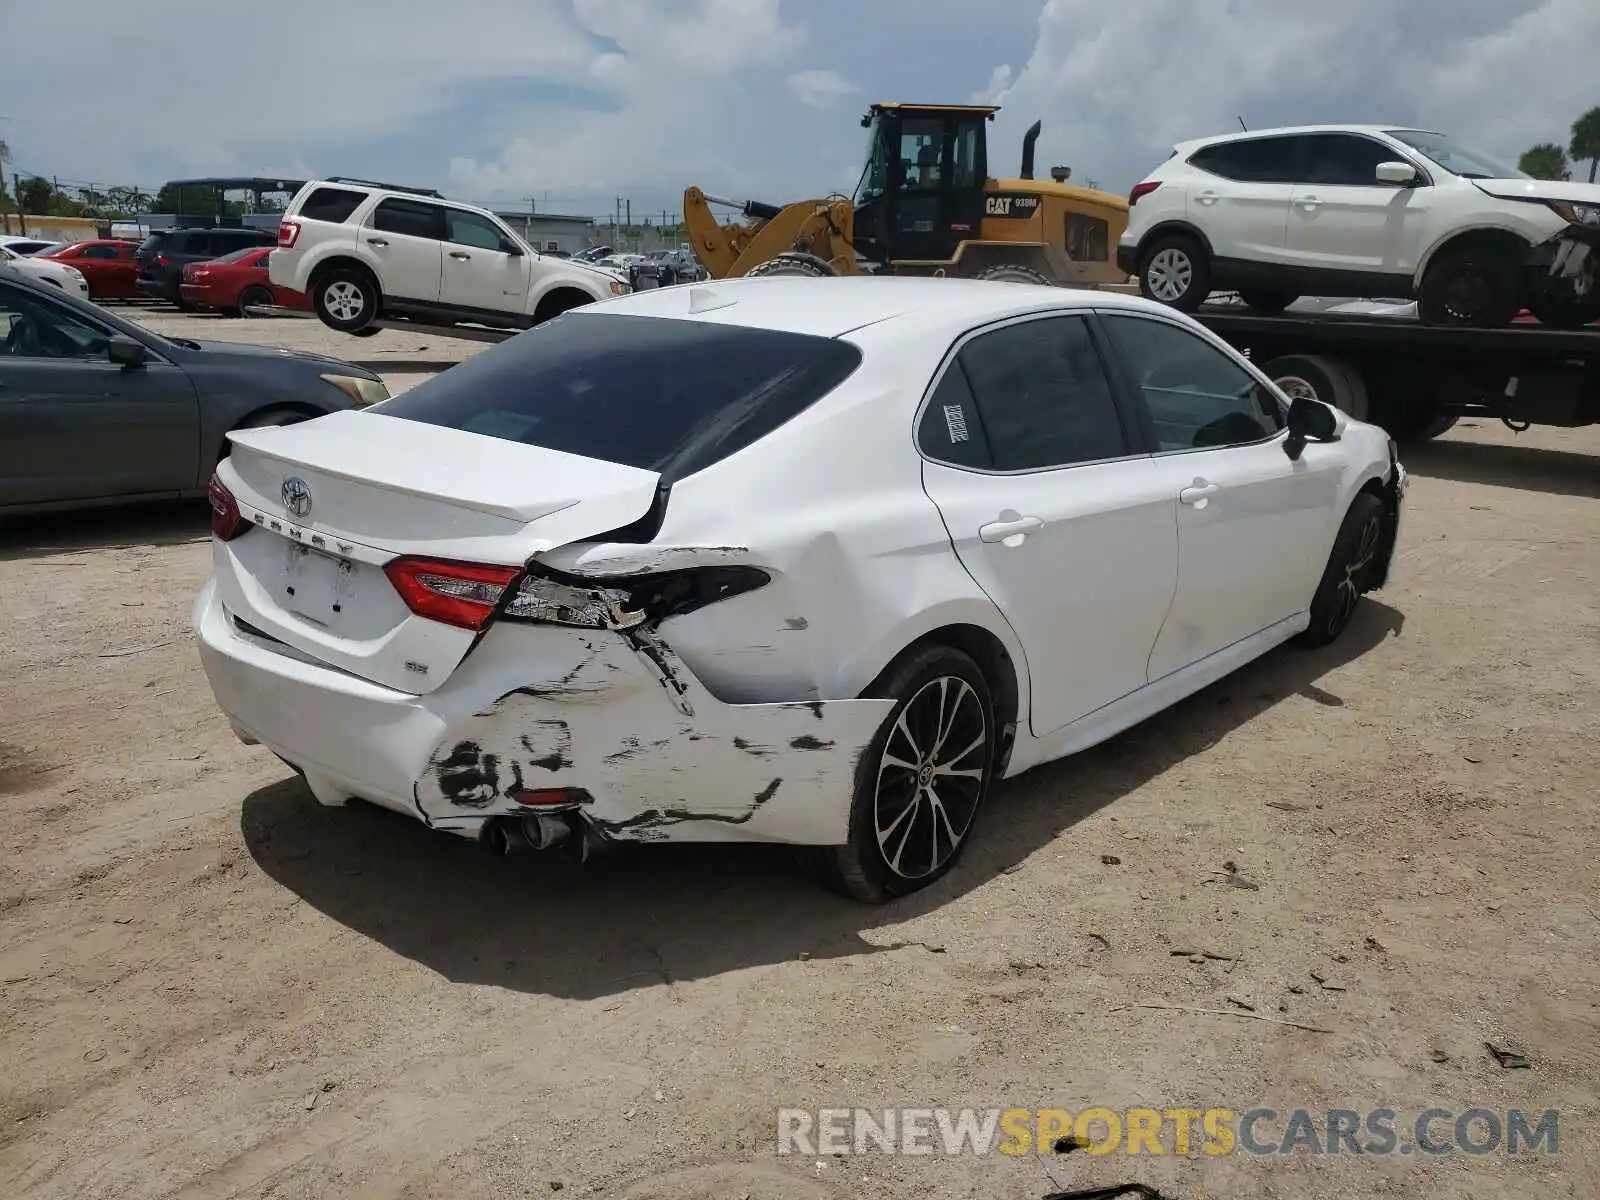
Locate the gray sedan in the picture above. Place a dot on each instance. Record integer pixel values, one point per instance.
(97, 410)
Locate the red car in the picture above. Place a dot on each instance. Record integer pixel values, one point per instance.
(237, 280)
(109, 266)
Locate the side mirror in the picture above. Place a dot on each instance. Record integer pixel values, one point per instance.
(126, 352)
(1310, 421)
(1397, 174)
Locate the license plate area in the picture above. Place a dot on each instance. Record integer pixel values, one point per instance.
(317, 586)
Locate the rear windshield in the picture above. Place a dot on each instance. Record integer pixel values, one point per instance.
(238, 254)
(154, 240)
(657, 393)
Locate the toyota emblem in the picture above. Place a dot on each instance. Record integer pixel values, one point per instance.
(297, 495)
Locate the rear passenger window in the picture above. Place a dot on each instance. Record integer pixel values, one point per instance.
(951, 431)
(1043, 395)
(1197, 396)
(1252, 160)
(331, 204)
(409, 217)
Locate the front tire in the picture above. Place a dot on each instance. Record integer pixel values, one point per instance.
(791, 264)
(1565, 312)
(1352, 566)
(1175, 270)
(922, 780)
(1474, 286)
(346, 299)
(1014, 273)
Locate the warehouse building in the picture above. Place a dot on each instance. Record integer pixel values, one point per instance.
(551, 231)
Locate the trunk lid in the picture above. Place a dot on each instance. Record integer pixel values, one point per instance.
(336, 498)
(1541, 189)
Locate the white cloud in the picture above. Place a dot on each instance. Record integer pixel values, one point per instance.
(1116, 87)
(820, 89)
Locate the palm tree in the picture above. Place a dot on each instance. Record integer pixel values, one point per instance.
(1586, 140)
(1545, 161)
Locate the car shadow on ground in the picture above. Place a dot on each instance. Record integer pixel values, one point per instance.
(164, 523)
(660, 914)
(1527, 468)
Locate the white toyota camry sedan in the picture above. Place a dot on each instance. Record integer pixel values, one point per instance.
(812, 561)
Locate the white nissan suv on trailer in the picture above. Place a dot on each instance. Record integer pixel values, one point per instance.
(1363, 210)
(363, 250)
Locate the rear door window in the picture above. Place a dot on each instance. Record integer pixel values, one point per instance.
(1252, 160)
(663, 395)
(409, 217)
(331, 204)
(1043, 395)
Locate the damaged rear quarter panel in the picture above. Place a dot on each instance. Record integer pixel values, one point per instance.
(624, 719)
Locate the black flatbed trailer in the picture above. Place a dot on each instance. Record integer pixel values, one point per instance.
(1415, 380)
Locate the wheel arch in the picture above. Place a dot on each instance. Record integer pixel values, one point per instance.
(1501, 235)
(1000, 663)
(1175, 225)
(320, 269)
(558, 298)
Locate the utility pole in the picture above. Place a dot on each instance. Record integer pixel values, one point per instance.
(5, 209)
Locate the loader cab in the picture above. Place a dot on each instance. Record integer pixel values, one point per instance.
(921, 193)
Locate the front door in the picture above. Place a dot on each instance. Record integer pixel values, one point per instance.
(76, 426)
(483, 268)
(1342, 219)
(405, 238)
(1253, 526)
(1067, 530)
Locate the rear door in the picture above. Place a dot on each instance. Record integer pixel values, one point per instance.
(406, 238)
(483, 268)
(1342, 219)
(1253, 526)
(76, 426)
(1066, 526)
(1245, 211)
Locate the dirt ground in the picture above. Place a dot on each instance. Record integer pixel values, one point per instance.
(211, 987)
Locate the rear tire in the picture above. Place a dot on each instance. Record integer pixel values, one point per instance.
(1268, 304)
(1175, 270)
(346, 299)
(1351, 568)
(1565, 312)
(917, 795)
(254, 296)
(1475, 286)
(1317, 377)
(1014, 273)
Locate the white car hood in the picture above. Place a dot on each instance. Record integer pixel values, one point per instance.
(1541, 189)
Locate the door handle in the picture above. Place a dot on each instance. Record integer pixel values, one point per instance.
(1005, 530)
(459, 254)
(1207, 197)
(377, 242)
(1198, 493)
(1309, 201)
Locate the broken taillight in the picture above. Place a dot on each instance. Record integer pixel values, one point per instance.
(1142, 189)
(461, 594)
(227, 522)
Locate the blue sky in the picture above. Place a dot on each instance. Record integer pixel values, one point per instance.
(581, 101)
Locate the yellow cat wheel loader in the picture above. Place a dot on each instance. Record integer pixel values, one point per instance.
(926, 205)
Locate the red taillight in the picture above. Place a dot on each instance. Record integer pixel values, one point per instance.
(226, 521)
(459, 594)
(1142, 189)
(287, 232)
(162, 260)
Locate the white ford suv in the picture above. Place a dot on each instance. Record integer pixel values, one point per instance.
(1363, 210)
(364, 250)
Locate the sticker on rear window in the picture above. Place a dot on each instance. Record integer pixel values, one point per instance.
(956, 422)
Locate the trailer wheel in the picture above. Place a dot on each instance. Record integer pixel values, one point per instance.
(1565, 312)
(1268, 304)
(1318, 377)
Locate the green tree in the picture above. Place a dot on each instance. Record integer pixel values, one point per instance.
(1545, 161)
(1586, 140)
(36, 195)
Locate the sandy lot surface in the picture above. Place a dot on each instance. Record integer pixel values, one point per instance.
(210, 987)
